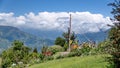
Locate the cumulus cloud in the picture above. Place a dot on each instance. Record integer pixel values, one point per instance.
(82, 22)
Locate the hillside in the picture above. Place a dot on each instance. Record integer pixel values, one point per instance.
(96, 61)
(94, 36)
(8, 34)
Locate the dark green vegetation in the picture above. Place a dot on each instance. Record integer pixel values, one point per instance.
(19, 55)
(114, 36)
(60, 41)
(8, 34)
(64, 40)
(0, 61)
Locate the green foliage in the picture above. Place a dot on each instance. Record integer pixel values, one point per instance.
(66, 36)
(116, 9)
(44, 49)
(73, 54)
(41, 56)
(47, 53)
(60, 41)
(114, 36)
(103, 47)
(35, 50)
(56, 48)
(47, 58)
(15, 54)
(65, 46)
(85, 49)
(72, 39)
(76, 52)
(34, 58)
(60, 55)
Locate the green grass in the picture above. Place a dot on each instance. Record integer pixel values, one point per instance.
(0, 61)
(96, 61)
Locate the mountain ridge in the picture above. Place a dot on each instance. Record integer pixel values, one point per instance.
(8, 34)
(93, 36)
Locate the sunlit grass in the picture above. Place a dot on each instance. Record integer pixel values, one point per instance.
(96, 61)
(0, 61)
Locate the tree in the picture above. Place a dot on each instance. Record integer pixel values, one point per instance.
(114, 35)
(44, 49)
(60, 41)
(15, 54)
(71, 41)
(35, 50)
(72, 37)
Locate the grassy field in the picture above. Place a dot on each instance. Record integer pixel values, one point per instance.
(96, 61)
(0, 61)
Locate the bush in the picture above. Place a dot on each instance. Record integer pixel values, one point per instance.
(17, 53)
(41, 56)
(75, 52)
(56, 48)
(60, 41)
(58, 55)
(66, 46)
(85, 49)
(46, 58)
(72, 54)
(33, 58)
(94, 51)
(6, 63)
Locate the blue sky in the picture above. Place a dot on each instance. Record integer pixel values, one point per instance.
(20, 7)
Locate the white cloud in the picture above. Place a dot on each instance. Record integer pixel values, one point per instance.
(82, 22)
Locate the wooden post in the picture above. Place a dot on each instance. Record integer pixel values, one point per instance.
(69, 33)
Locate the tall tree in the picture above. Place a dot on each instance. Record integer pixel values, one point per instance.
(60, 41)
(114, 35)
(72, 36)
(72, 39)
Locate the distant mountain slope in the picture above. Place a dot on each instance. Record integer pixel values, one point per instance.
(95, 36)
(8, 34)
(48, 34)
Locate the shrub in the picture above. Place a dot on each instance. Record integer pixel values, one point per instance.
(33, 58)
(60, 41)
(85, 49)
(75, 52)
(66, 46)
(103, 47)
(17, 53)
(59, 56)
(94, 51)
(72, 54)
(46, 58)
(56, 48)
(41, 56)
(56, 55)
